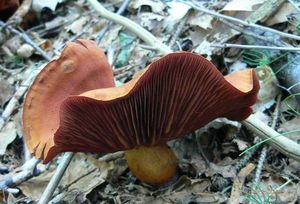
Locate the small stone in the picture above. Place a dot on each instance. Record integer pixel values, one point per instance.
(25, 51)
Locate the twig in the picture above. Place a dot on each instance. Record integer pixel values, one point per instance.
(260, 164)
(63, 165)
(27, 172)
(47, 194)
(123, 69)
(132, 26)
(226, 45)
(263, 153)
(238, 184)
(120, 11)
(272, 137)
(27, 39)
(252, 34)
(236, 20)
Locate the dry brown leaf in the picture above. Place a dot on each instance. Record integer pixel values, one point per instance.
(186, 190)
(281, 15)
(34, 187)
(7, 136)
(82, 176)
(225, 170)
(291, 125)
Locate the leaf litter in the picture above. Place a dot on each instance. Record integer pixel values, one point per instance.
(207, 158)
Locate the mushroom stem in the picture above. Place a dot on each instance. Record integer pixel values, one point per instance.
(153, 165)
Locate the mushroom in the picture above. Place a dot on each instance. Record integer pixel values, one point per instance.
(71, 74)
(173, 96)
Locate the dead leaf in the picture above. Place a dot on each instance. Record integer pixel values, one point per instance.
(200, 19)
(197, 35)
(205, 48)
(237, 5)
(82, 176)
(150, 20)
(35, 187)
(291, 125)
(177, 11)
(186, 190)
(225, 169)
(7, 136)
(281, 15)
(111, 36)
(77, 26)
(5, 91)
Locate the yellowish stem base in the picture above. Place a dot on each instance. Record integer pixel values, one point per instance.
(153, 165)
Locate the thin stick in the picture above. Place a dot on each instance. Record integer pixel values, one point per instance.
(27, 39)
(132, 26)
(19, 176)
(63, 165)
(275, 139)
(120, 11)
(263, 153)
(236, 20)
(18, 16)
(238, 184)
(252, 34)
(226, 45)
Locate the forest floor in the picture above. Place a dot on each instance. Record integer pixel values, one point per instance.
(221, 162)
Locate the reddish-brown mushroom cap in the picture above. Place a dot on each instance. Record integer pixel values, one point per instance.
(175, 95)
(82, 66)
